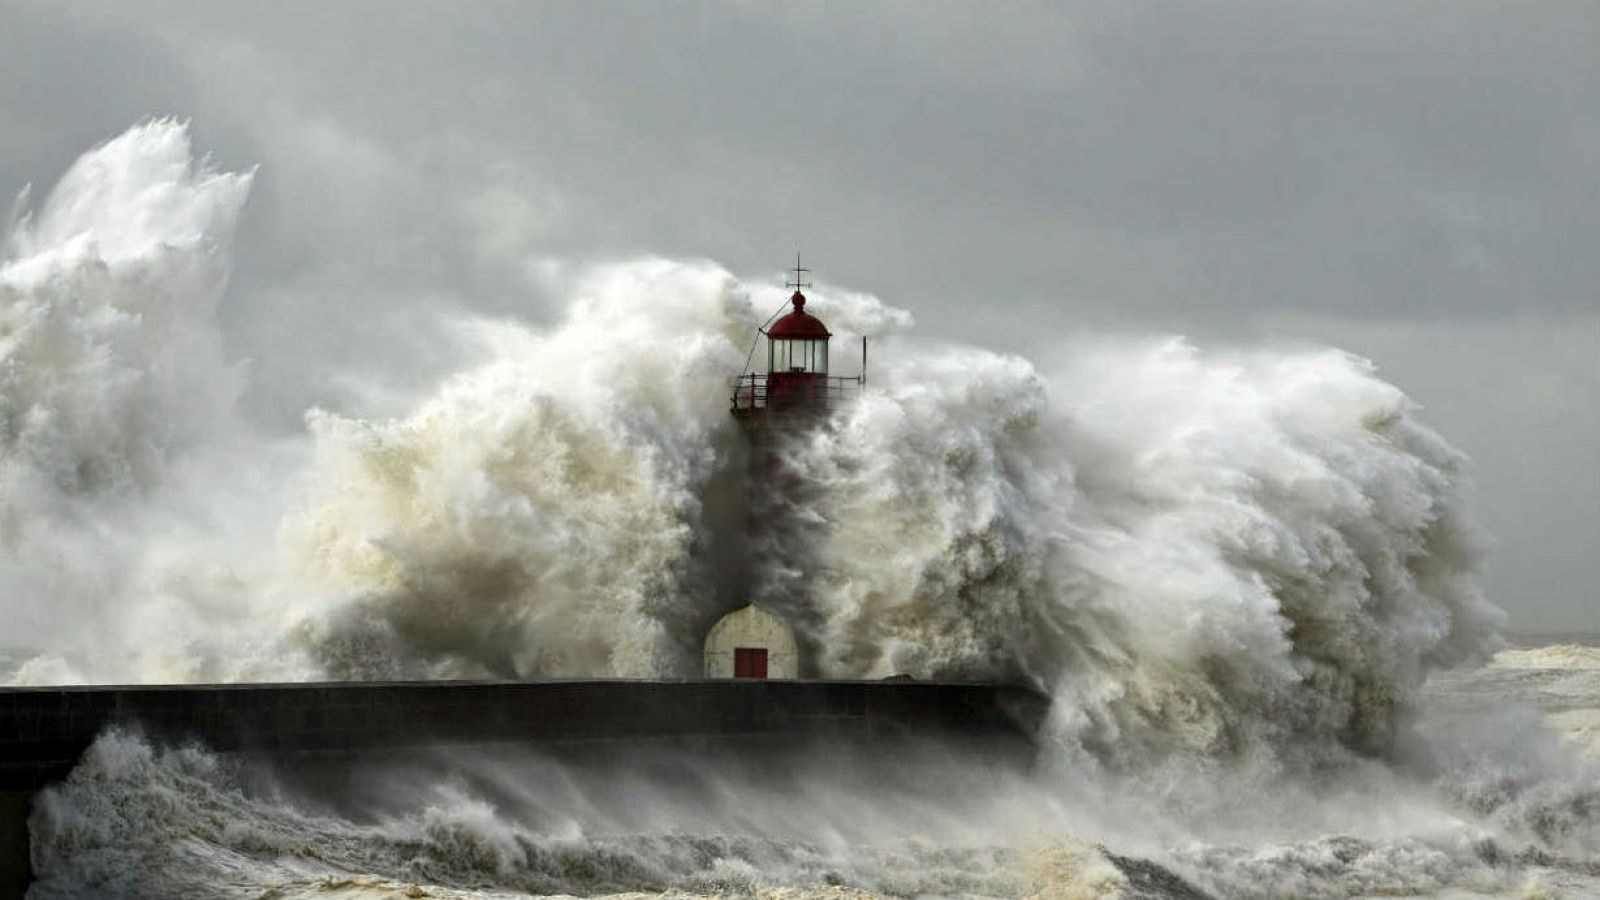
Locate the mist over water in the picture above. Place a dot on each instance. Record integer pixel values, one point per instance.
(1233, 570)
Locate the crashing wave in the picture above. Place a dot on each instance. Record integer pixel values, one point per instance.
(1232, 571)
(1224, 553)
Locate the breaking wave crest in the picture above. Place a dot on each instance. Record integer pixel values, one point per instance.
(541, 515)
(117, 411)
(1229, 550)
(1234, 552)
(1233, 570)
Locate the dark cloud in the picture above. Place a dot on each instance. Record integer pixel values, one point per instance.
(1413, 181)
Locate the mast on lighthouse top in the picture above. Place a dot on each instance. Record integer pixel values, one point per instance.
(799, 325)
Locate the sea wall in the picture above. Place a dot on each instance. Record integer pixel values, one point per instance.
(43, 731)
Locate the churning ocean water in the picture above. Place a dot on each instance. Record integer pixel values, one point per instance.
(1507, 807)
(1247, 578)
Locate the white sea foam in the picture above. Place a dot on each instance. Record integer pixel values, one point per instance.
(1558, 656)
(134, 820)
(1232, 570)
(125, 476)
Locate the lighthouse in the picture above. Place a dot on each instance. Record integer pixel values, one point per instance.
(794, 395)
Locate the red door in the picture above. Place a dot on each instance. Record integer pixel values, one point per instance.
(750, 662)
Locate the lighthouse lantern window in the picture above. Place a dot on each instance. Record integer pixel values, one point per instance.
(798, 356)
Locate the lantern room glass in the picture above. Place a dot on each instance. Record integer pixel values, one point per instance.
(798, 356)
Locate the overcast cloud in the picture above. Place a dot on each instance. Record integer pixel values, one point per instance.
(1413, 182)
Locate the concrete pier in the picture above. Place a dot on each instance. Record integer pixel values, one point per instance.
(44, 731)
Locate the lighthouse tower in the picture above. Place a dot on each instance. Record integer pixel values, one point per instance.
(794, 395)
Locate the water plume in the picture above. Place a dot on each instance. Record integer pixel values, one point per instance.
(542, 514)
(1221, 552)
(1225, 552)
(113, 382)
(1233, 570)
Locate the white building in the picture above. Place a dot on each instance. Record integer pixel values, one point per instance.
(751, 643)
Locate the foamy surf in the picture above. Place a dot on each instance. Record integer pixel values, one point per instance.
(1557, 656)
(137, 820)
(1559, 683)
(142, 821)
(1234, 571)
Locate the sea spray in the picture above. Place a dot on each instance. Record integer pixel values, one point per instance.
(113, 365)
(1250, 553)
(140, 820)
(120, 453)
(1247, 554)
(1218, 553)
(1232, 571)
(1214, 551)
(144, 821)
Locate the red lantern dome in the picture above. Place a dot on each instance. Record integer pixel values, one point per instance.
(799, 325)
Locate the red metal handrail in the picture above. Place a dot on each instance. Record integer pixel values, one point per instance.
(819, 393)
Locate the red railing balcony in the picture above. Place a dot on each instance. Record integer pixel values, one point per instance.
(791, 393)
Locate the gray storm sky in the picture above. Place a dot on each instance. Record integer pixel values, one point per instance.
(1415, 182)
